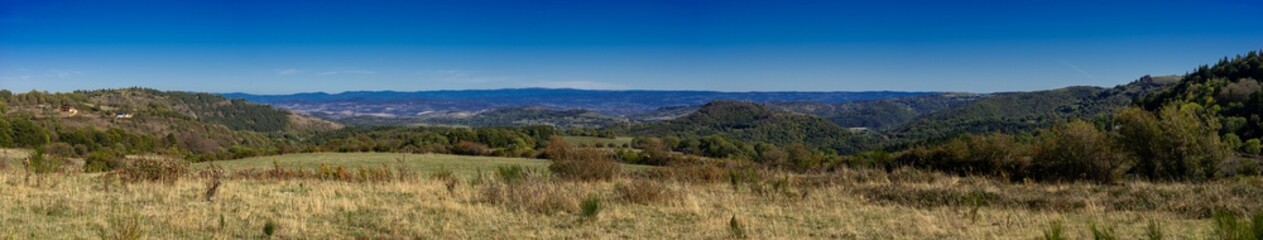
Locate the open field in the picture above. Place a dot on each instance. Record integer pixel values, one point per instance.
(860, 204)
(618, 141)
(423, 163)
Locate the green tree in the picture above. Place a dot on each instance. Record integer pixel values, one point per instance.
(1191, 145)
(1077, 150)
(1252, 146)
(802, 158)
(27, 134)
(6, 133)
(1139, 135)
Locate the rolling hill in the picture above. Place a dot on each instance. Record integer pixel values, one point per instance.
(1025, 111)
(147, 120)
(751, 122)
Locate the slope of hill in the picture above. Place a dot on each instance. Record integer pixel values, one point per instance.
(1025, 111)
(145, 120)
(752, 123)
(1230, 88)
(880, 114)
(614, 103)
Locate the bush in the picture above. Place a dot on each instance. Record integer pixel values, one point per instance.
(103, 160)
(38, 162)
(594, 169)
(1180, 142)
(511, 174)
(60, 149)
(1252, 146)
(1077, 150)
(471, 148)
(591, 206)
(154, 169)
(269, 228)
(993, 155)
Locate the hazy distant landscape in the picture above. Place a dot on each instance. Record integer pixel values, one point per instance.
(512, 120)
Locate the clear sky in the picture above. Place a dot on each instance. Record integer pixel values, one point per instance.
(313, 45)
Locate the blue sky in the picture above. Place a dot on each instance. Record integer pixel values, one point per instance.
(305, 46)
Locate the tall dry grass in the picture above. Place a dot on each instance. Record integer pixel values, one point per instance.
(866, 204)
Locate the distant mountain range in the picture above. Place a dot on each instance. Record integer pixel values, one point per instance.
(392, 104)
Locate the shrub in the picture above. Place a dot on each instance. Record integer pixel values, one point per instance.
(511, 174)
(1252, 146)
(154, 169)
(103, 160)
(38, 162)
(471, 148)
(269, 228)
(586, 165)
(1180, 142)
(993, 155)
(558, 149)
(591, 206)
(1077, 150)
(60, 149)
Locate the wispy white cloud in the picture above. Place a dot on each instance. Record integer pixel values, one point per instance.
(354, 72)
(1077, 69)
(287, 71)
(580, 85)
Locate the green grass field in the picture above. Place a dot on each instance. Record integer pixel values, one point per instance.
(576, 140)
(424, 163)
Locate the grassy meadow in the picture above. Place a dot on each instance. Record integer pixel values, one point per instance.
(849, 204)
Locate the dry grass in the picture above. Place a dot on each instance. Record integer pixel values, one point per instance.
(851, 204)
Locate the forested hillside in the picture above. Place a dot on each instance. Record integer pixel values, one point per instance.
(136, 121)
(1202, 126)
(1229, 89)
(1025, 111)
(880, 114)
(752, 123)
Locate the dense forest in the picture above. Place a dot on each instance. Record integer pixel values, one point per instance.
(1203, 126)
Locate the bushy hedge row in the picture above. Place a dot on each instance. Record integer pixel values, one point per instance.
(1178, 143)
